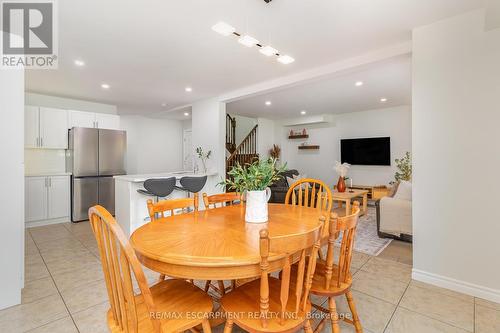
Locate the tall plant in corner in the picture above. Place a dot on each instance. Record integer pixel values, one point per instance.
(404, 168)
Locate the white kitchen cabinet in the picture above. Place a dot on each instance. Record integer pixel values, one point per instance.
(35, 198)
(108, 121)
(47, 198)
(93, 120)
(31, 126)
(81, 119)
(45, 128)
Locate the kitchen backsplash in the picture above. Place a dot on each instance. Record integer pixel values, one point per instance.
(44, 160)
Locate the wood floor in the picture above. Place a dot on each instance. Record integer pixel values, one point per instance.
(65, 291)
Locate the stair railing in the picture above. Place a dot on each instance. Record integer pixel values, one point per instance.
(246, 152)
(230, 132)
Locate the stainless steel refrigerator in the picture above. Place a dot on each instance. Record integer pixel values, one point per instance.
(94, 157)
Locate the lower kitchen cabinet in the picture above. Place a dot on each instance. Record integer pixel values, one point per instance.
(47, 200)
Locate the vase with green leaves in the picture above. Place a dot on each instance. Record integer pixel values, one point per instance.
(253, 180)
(203, 156)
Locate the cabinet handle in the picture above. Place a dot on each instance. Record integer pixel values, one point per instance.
(41, 142)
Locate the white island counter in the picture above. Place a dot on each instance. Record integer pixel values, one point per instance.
(130, 206)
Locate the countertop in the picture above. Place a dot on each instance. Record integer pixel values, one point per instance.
(177, 174)
(47, 174)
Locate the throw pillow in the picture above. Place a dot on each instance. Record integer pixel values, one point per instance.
(404, 191)
(295, 179)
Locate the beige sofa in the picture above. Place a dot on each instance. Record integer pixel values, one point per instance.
(394, 214)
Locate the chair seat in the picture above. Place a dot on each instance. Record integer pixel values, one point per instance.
(245, 300)
(171, 297)
(319, 281)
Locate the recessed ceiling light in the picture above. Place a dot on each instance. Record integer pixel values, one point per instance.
(79, 63)
(223, 28)
(105, 86)
(268, 51)
(163, 104)
(383, 100)
(359, 83)
(268, 103)
(188, 89)
(303, 112)
(248, 41)
(285, 59)
(186, 114)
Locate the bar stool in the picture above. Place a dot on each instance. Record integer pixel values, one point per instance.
(192, 184)
(158, 188)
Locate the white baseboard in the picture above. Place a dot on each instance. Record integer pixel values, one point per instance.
(47, 222)
(457, 285)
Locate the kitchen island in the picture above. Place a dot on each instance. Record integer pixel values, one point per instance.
(131, 206)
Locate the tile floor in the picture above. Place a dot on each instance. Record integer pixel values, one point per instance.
(65, 291)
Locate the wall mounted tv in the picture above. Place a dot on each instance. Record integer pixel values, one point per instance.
(366, 151)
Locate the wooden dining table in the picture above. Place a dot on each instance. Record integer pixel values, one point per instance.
(217, 244)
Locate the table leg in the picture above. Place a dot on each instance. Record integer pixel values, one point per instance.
(365, 203)
(348, 207)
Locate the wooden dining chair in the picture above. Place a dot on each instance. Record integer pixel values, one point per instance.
(163, 307)
(287, 296)
(211, 201)
(332, 278)
(159, 209)
(222, 199)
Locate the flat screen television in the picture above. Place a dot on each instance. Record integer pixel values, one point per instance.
(366, 151)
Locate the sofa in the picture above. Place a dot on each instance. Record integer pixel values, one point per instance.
(394, 214)
(280, 187)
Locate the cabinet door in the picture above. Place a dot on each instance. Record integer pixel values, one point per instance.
(81, 119)
(107, 121)
(58, 197)
(31, 126)
(35, 198)
(54, 128)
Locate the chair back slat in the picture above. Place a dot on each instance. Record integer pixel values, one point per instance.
(222, 199)
(310, 192)
(119, 261)
(346, 226)
(159, 209)
(308, 241)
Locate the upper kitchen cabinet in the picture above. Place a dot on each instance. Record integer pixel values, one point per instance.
(93, 120)
(45, 128)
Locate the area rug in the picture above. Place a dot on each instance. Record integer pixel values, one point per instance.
(367, 240)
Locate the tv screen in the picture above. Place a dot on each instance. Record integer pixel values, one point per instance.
(366, 151)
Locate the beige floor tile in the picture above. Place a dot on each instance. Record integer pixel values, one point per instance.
(86, 296)
(77, 278)
(398, 251)
(388, 268)
(48, 233)
(374, 313)
(92, 320)
(79, 228)
(37, 289)
(379, 286)
(442, 291)
(487, 320)
(30, 248)
(79, 261)
(35, 270)
(448, 309)
(405, 321)
(488, 304)
(24, 317)
(57, 254)
(344, 328)
(33, 258)
(64, 325)
(63, 244)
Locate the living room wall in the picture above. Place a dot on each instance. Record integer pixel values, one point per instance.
(394, 122)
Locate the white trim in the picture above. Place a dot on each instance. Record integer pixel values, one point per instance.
(41, 223)
(457, 285)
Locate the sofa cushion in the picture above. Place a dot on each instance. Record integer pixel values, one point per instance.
(282, 181)
(404, 191)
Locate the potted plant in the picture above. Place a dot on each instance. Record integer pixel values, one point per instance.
(253, 181)
(404, 168)
(203, 157)
(341, 169)
(275, 152)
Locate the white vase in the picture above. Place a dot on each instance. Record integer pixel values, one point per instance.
(256, 206)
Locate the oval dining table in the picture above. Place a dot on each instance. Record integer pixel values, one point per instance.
(217, 244)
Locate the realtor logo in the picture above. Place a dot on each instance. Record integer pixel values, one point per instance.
(29, 34)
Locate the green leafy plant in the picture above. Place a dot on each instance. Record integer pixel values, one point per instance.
(253, 177)
(404, 168)
(203, 157)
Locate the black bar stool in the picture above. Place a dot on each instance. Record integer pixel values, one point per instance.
(158, 188)
(192, 184)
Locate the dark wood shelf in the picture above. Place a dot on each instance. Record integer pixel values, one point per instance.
(309, 147)
(301, 136)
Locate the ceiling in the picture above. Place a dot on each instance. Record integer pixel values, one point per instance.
(390, 79)
(149, 51)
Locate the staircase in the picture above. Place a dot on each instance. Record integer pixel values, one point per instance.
(246, 152)
(230, 133)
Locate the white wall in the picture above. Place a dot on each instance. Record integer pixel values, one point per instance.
(153, 145)
(12, 194)
(243, 126)
(456, 155)
(393, 122)
(68, 103)
(265, 137)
